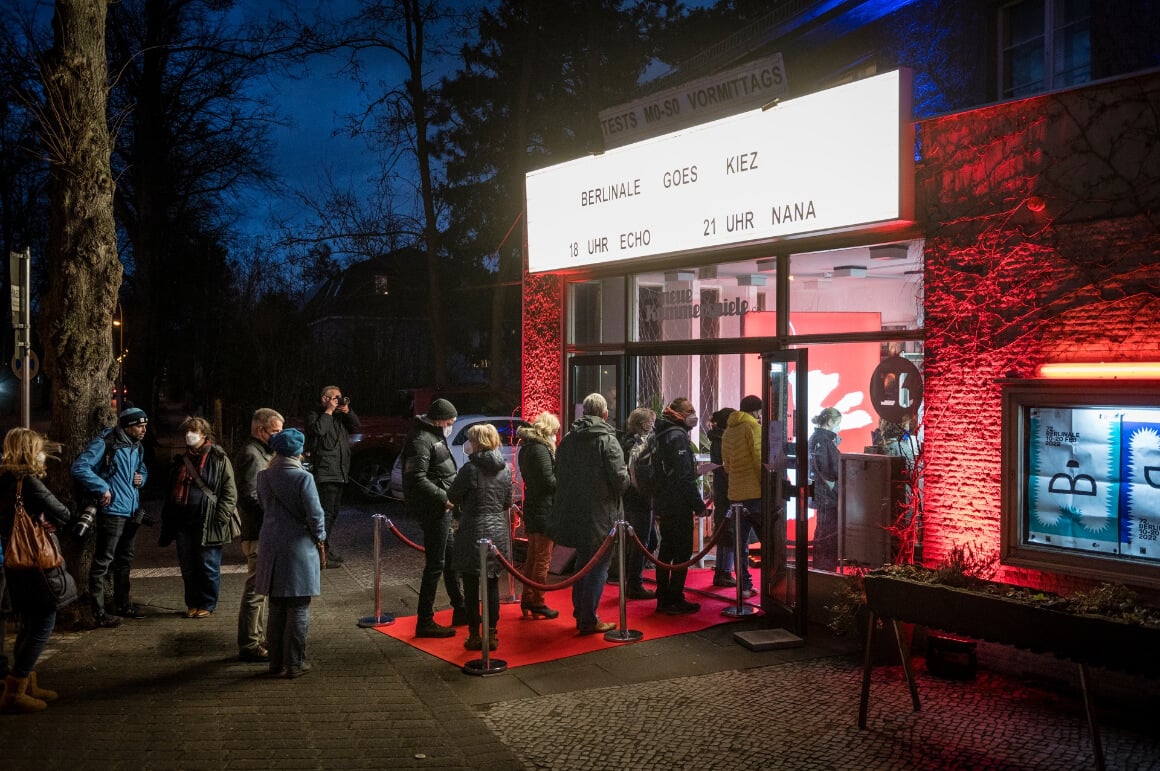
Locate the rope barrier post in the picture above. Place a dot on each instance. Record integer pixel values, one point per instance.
(486, 665)
(740, 610)
(379, 618)
(511, 555)
(622, 633)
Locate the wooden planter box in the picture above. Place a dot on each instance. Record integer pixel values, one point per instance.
(1086, 640)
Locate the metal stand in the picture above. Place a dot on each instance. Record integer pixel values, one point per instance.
(740, 609)
(511, 597)
(486, 665)
(622, 633)
(379, 618)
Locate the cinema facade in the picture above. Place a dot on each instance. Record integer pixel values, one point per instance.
(978, 293)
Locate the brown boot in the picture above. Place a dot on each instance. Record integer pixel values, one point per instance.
(16, 699)
(492, 640)
(473, 641)
(36, 692)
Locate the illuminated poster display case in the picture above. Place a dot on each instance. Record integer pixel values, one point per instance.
(1081, 478)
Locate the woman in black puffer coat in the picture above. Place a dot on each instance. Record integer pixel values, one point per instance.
(482, 494)
(538, 469)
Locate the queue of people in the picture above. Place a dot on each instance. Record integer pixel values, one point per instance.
(575, 490)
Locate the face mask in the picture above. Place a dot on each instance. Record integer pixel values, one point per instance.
(691, 421)
(468, 449)
(192, 439)
(41, 457)
(447, 432)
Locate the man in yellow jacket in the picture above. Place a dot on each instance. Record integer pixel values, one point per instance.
(741, 457)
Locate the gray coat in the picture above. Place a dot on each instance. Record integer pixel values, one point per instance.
(253, 457)
(482, 494)
(590, 479)
(288, 562)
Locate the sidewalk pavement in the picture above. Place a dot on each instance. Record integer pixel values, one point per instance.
(167, 692)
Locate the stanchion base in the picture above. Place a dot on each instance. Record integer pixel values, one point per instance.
(742, 612)
(385, 619)
(480, 668)
(623, 635)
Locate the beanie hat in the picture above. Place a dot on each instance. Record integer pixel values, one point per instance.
(721, 416)
(288, 442)
(751, 403)
(441, 409)
(132, 417)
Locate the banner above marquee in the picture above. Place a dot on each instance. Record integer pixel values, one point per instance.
(834, 160)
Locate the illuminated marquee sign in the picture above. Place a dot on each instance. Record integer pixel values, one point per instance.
(837, 159)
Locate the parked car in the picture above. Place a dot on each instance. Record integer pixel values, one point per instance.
(507, 427)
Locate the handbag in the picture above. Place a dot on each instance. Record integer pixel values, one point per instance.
(30, 547)
(61, 586)
(235, 521)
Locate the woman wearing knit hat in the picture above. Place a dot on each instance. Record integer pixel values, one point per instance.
(291, 552)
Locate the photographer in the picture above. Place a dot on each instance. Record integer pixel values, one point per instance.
(112, 469)
(328, 431)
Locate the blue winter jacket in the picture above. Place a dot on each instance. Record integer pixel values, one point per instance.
(97, 476)
(292, 526)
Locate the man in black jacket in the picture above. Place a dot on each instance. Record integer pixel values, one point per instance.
(677, 501)
(591, 477)
(428, 470)
(328, 431)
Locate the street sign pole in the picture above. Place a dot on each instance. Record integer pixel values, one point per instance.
(20, 273)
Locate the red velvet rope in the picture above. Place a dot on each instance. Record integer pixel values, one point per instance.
(509, 567)
(404, 538)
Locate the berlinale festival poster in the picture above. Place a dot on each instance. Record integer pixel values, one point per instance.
(1095, 480)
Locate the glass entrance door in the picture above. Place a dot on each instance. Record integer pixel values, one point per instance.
(785, 493)
(596, 374)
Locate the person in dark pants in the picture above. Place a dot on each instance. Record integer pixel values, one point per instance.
(291, 553)
(637, 508)
(196, 515)
(723, 563)
(328, 431)
(428, 469)
(591, 477)
(677, 501)
(537, 461)
(112, 469)
(482, 494)
(21, 471)
(824, 457)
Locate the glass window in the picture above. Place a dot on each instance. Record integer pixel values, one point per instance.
(596, 311)
(861, 289)
(1045, 44)
(707, 303)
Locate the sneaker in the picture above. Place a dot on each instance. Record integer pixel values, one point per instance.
(130, 611)
(430, 628)
(724, 580)
(298, 671)
(682, 608)
(104, 620)
(750, 592)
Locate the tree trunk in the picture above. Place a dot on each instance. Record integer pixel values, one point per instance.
(85, 270)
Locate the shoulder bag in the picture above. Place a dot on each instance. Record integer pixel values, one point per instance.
(235, 518)
(30, 547)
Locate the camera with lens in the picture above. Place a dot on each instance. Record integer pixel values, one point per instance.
(85, 520)
(344, 401)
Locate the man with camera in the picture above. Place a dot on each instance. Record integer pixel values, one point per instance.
(328, 431)
(112, 470)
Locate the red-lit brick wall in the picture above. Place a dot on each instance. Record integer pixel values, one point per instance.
(1008, 287)
(543, 340)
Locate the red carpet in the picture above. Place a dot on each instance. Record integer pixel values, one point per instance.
(524, 641)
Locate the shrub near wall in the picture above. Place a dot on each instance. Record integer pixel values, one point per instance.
(1042, 222)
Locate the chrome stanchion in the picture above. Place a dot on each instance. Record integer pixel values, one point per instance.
(511, 551)
(622, 633)
(740, 609)
(379, 618)
(486, 665)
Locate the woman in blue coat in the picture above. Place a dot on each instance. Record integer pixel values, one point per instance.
(291, 552)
